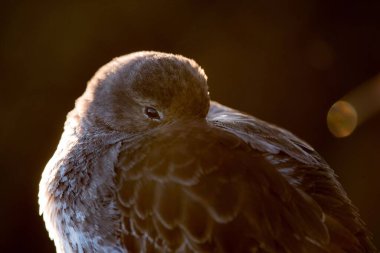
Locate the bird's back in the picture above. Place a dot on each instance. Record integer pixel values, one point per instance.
(205, 189)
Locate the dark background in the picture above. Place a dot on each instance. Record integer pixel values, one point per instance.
(286, 62)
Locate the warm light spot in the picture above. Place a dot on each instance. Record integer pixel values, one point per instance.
(342, 119)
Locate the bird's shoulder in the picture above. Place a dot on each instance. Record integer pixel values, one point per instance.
(262, 135)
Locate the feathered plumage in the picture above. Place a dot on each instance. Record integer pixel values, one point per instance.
(186, 175)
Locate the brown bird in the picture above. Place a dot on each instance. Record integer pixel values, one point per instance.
(147, 163)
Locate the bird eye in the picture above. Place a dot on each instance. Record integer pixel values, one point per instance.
(152, 113)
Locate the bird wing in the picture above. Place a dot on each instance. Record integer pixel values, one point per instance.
(263, 136)
(304, 169)
(203, 189)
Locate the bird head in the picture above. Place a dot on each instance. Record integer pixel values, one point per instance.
(142, 90)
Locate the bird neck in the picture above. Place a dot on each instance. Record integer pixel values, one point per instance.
(77, 189)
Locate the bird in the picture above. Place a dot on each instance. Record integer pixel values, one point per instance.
(147, 162)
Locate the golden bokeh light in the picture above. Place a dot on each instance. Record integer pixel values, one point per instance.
(355, 108)
(342, 119)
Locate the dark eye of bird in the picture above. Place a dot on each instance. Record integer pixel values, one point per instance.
(152, 113)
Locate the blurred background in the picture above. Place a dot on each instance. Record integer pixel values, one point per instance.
(286, 62)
